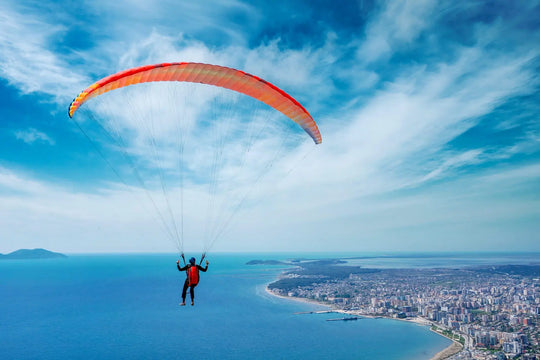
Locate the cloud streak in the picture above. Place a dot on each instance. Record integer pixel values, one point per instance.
(26, 59)
(407, 112)
(31, 136)
(398, 23)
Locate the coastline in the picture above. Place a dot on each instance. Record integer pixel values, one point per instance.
(452, 349)
(298, 299)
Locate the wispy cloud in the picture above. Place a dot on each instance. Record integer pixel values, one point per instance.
(26, 58)
(214, 21)
(491, 206)
(390, 165)
(50, 214)
(398, 23)
(403, 133)
(31, 136)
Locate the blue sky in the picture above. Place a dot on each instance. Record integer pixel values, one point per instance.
(429, 112)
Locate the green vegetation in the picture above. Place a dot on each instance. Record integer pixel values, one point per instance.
(521, 270)
(266, 262)
(289, 284)
(449, 334)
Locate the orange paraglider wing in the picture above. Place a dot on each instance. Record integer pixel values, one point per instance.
(221, 76)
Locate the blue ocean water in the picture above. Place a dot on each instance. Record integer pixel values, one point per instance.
(127, 306)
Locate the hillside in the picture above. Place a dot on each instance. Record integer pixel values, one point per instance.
(23, 254)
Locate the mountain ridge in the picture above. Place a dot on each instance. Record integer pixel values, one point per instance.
(27, 254)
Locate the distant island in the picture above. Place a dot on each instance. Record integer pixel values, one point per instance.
(28, 254)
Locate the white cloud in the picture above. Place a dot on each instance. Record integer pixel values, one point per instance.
(26, 59)
(465, 158)
(440, 217)
(212, 18)
(28, 37)
(399, 23)
(367, 181)
(59, 217)
(398, 139)
(31, 136)
(290, 69)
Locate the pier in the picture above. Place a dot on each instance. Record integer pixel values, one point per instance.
(344, 319)
(315, 312)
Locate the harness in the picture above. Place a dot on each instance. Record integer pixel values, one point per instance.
(193, 275)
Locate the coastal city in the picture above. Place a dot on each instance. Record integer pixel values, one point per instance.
(490, 312)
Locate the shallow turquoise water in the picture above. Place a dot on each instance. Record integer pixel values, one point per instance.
(120, 306)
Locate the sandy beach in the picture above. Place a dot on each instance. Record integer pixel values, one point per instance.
(452, 349)
(304, 300)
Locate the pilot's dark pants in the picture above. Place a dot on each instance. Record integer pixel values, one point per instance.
(191, 292)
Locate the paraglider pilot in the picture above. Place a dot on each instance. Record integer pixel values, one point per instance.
(192, 279)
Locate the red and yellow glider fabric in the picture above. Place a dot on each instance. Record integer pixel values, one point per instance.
(206, 74)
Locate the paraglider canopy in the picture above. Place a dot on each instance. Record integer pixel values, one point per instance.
(206, 74)
(153, 128)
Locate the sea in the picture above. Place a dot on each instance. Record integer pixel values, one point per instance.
(103, 306)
